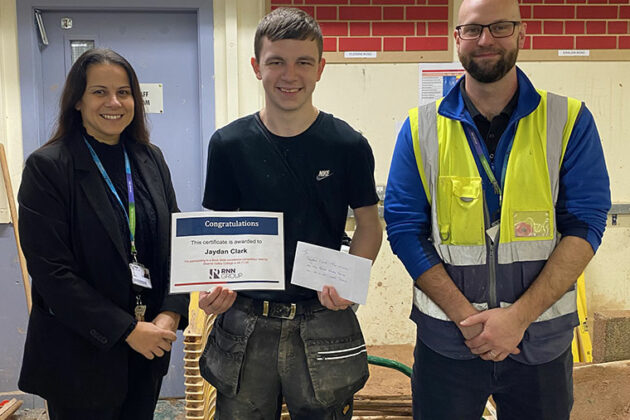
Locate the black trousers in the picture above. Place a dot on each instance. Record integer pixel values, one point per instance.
(448, 389)
(139, 404)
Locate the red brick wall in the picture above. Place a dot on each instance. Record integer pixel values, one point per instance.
(379, 25)
(576, 24)
(402, 27)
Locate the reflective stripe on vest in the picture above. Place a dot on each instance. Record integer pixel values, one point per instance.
(564, 306)
(450, 176)
(428, 307)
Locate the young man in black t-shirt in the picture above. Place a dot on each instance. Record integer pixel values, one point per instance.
(297, 344)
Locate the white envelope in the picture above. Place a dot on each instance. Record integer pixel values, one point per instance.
(315, 267)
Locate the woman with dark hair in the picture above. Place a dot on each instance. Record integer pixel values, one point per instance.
(95, 205)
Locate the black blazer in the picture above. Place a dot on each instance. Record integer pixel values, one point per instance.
(74, 353)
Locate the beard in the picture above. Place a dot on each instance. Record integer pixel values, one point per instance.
(485, 74)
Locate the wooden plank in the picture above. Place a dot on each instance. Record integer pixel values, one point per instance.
(13, 211)
(360, 397)
(9, 408)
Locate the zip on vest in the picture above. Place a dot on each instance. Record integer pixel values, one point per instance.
(492, 260)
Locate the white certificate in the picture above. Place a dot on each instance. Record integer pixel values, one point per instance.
(235, 249)
(316, 266)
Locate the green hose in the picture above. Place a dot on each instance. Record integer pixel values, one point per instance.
(381, 361)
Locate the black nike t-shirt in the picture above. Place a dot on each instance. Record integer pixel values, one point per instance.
(312, 178)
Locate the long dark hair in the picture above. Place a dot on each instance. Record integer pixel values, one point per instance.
(69, 120)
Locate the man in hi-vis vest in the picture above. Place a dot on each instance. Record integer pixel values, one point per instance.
(496, 201)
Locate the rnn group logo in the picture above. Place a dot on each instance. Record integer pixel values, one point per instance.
(224, 273)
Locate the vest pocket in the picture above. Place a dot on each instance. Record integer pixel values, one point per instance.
(460, 210)
(532, 224)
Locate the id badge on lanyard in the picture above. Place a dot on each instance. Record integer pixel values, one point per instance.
(140, 278)
(140, 275)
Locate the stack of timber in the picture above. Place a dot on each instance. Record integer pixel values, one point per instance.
(382, 406)
(368, 407)
(200, 395)
(8, 407)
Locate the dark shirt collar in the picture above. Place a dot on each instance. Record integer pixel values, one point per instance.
(474, 112)
(97, 145)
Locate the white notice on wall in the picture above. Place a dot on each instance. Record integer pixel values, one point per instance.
(152, 97)
(574, 53)
(359, 54)
(436, 79)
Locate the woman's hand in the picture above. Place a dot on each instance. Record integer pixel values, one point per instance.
(150, 340)
(168, 320)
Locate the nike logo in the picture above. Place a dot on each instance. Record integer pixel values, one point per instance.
(323, 174)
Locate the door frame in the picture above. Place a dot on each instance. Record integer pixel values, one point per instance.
(31, 69)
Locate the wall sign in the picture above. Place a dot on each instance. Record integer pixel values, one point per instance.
(153, 98)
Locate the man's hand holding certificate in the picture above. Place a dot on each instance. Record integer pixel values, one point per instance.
(316, 267)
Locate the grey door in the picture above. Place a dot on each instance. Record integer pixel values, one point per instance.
(162, 48)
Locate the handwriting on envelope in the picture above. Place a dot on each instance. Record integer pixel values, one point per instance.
(315, 267)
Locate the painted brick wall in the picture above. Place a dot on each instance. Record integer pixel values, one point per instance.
(402, 27)
(379, 25)
(576, 24)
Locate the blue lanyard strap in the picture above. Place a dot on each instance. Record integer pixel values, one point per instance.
(131, 214)
(486, 165)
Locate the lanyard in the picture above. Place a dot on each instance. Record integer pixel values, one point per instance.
(131, 215)
(486, 166)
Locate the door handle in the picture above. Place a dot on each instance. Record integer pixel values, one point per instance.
(40, 26)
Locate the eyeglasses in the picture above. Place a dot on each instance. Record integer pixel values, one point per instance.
(502, 29)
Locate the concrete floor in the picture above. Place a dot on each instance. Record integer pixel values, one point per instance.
(601, 390)
(170, 409)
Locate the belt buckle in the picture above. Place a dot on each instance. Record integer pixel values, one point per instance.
(292, 313)
(267, 305)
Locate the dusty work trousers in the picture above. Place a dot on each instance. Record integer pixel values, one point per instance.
(256, 361)
(447, 389)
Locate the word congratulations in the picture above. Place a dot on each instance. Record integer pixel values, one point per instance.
(237, 223)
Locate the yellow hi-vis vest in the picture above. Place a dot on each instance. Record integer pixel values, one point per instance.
(453, 187)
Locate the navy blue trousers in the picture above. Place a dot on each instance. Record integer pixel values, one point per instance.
(449, 389)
